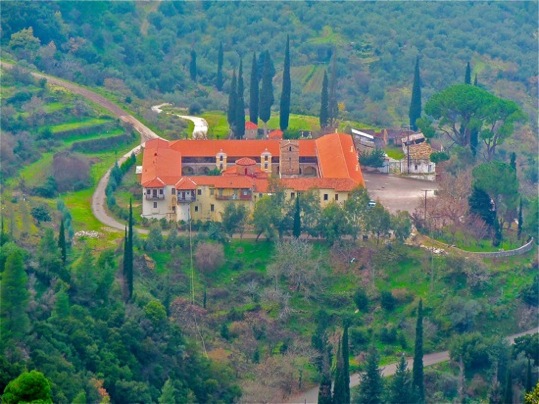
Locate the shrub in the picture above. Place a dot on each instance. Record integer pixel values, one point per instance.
(388, 335)
(209, 257)
(361, 300)
(387, 300)
(195, 108)
(41, 214)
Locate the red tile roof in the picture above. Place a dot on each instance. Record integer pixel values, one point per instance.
(275, 134)
(250, 125)
(245, 161)
(336, 155)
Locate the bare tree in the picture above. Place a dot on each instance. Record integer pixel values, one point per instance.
(209, 257)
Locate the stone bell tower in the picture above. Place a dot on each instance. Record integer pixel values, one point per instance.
(289, 158)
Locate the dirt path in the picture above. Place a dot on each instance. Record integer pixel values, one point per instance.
(311, 396)
(200, 131)
(98, 198)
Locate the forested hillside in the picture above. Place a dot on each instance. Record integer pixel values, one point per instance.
(144, 49)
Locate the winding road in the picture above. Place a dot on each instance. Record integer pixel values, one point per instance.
(311, 395)
(200, 130)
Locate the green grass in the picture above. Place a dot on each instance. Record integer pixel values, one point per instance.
(68, 140)
(54, 107)
(394, 152)
(82, 123)
(217, 124)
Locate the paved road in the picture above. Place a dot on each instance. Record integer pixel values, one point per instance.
(98, 198)
(397, 192)
(311, 396)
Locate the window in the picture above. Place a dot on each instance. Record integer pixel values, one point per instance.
(266, 166)
(221, 158)
(199, 192)
(290, 148)
(292, 195)
(221, 166)
(325, 197)
(161, 192)
(416, 167)
(266, 158)
(212, 207)
(211, 191)
(155, 205)
(174, 208)
(196, 208)
(148, 191)
(173, 191)
(336, 197)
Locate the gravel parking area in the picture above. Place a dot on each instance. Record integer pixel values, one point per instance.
(398, 193)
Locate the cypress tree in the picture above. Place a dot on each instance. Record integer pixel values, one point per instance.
(240, 106)
(371, 387)
(513, 161)
(508, 392)
(401, 391)
(14, 298)
(468, 74)
(219, 80)
(62, 242)
(520, 219)
(128, 257)
(481, 205)
(338, 388)
(415, 103)
(266, 92)
(232, 100)
(284, 112)
(297, 219)
(529, 378)
(333, 108)
(498, 236)
(418, 381)
(193, 66)
(324, 390)
(324, 103)
(253, 92)
(346, 364)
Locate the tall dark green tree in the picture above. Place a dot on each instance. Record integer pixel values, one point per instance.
(529, 377)
(240, 106)
(513, 161)
(371, 388)
(480, 204)
(324, 390)
(346, 363)
(418, 378)
(62, 242)
(333, 107)
(193, 66)
(508, 391)
(284, 111)
(468, 74)
(296, 230)
(14, 298)
(324, 103)
(520, 220)
(232, 101)
(415, 103)
(401, 386)
(253, 92)
(128, 257)
(219, 79)
(338, 388)
(266, 92)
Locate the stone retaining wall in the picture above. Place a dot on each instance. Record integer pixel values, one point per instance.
(499, 254)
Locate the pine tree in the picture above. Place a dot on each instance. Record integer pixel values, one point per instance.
(219, 79)
(253, 92)
(468, 74)
(324, 103)
(371, 387)
(240, 106)
(193, 66)
(266, 92)
(168, 393)
(284, 112)
(62, 242)
(401, 386)
(333, 108)
(232, 101)
(415, 103)
(418, 381)
(14, 298)
(296, 231)
(520, 220)
(61, 305)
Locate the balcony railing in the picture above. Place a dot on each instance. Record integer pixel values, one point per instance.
(186, 199)
(234, 197)
(154, 197)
